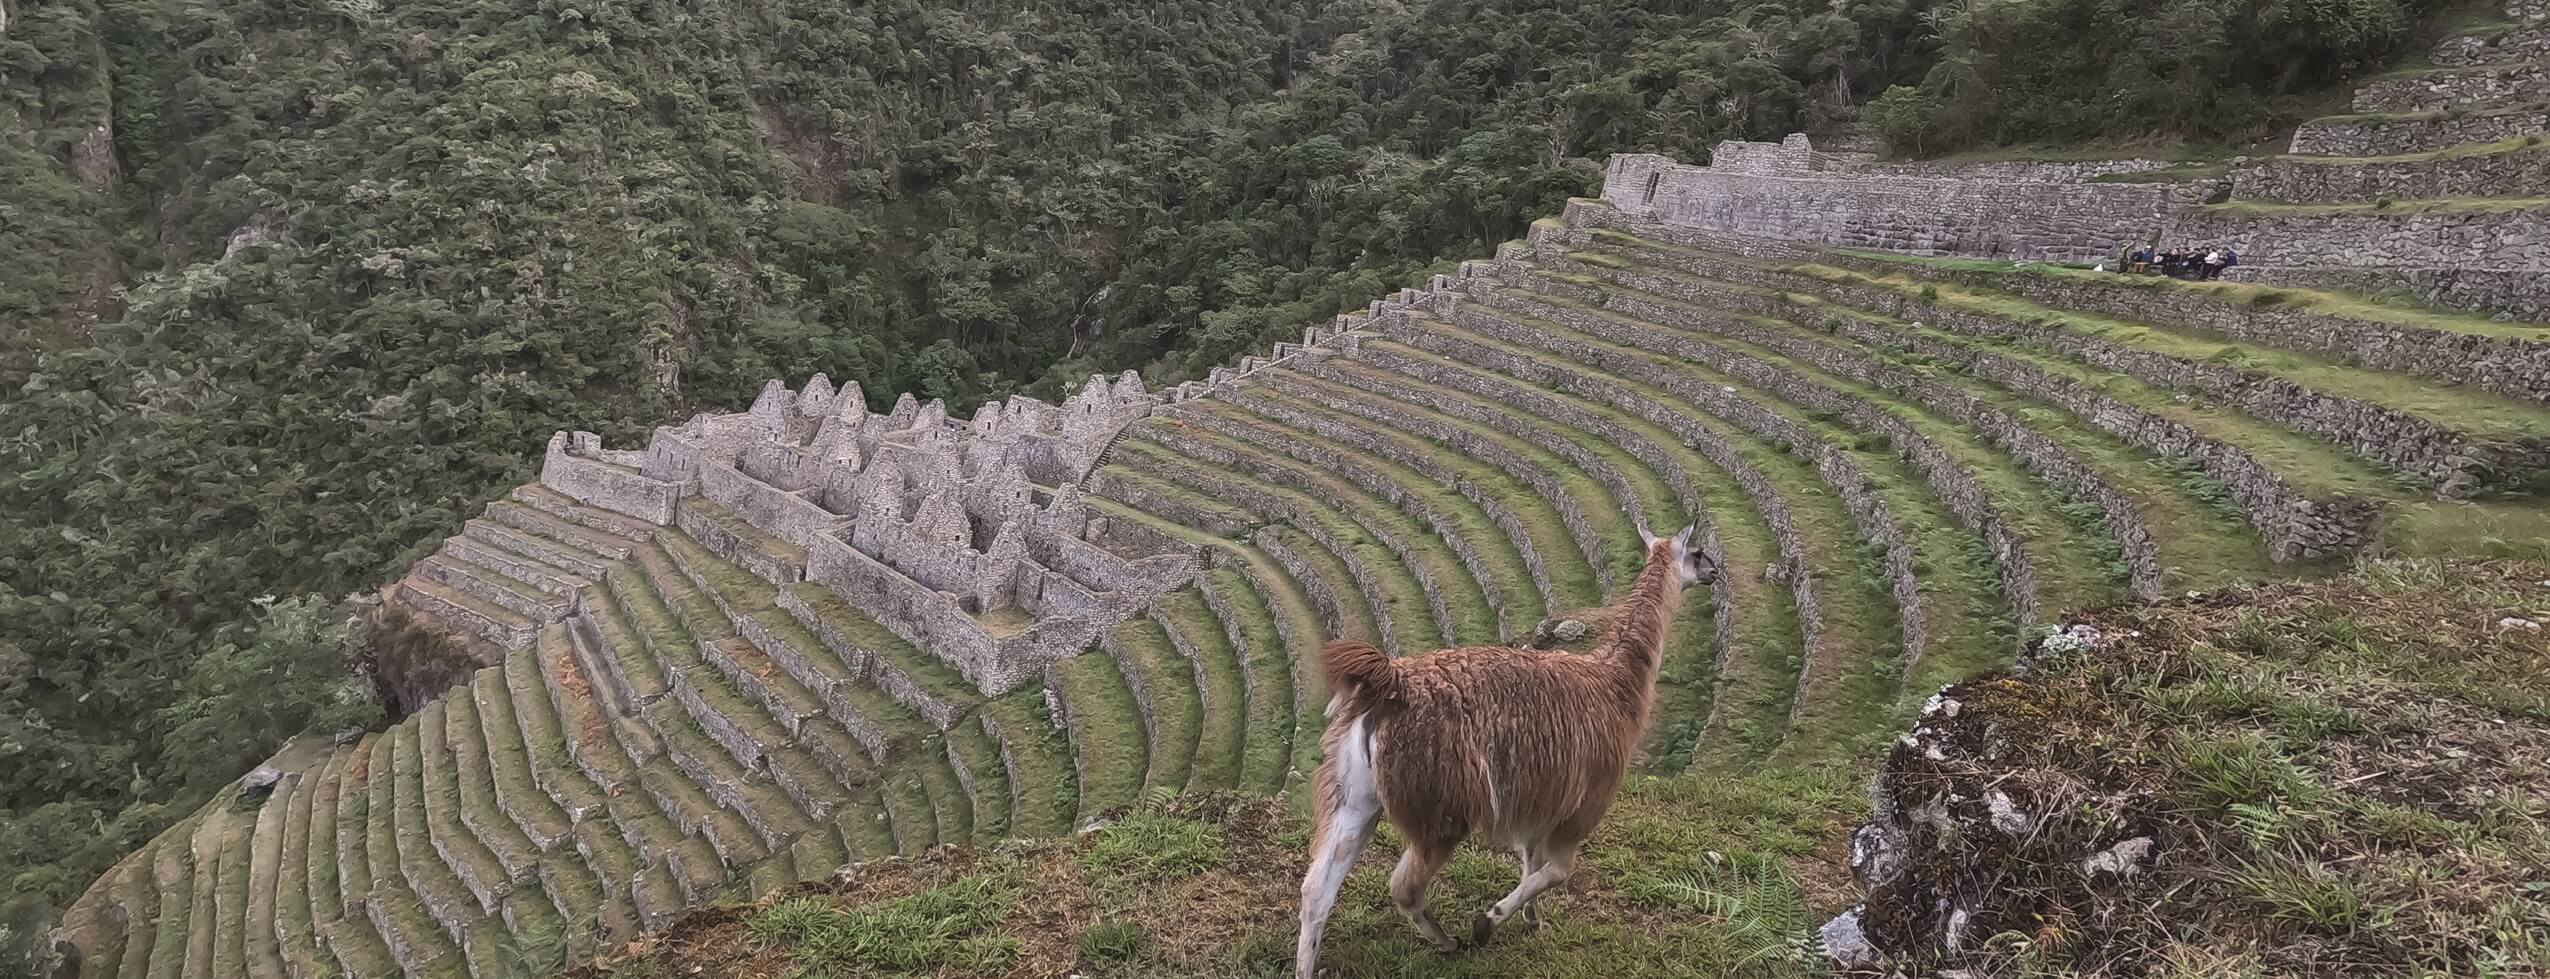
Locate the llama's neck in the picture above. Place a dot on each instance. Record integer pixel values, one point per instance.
(1637, 640)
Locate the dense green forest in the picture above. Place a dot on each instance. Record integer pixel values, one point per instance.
(288, 287)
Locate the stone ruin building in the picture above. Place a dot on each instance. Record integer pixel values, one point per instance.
(966, 538)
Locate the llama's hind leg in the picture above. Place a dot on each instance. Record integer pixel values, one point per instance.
(1408, 884)
(1528, 856)
(1345, 831)
(1555, 864)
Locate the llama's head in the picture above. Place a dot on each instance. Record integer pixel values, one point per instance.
(1690, 566)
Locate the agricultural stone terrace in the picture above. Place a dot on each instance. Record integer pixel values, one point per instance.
(773, 642)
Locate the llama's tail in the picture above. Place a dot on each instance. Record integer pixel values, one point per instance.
(1358, 672)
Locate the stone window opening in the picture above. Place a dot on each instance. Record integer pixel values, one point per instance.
(1652, 180)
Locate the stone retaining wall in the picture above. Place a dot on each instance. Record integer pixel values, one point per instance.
(571, 468)
(2391, 135)
(2507, 293)
(2523, 172)
(2528, 43)
(2509, 365)
(2503, 238)
(2042, 221)
(2477, 86)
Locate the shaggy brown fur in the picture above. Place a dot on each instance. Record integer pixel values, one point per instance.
(1523, 747)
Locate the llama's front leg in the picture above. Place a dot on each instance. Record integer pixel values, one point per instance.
(1551, 872)
(1417, 868)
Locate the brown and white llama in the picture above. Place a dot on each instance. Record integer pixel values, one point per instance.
(1523, 747)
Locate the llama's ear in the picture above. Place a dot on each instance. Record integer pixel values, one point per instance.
(1646, 541)
(1682, 541)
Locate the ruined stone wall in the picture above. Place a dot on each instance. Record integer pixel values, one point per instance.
(2359, 136)
(2513, 44)
(2446, 88)
(2509, 238)
(576, 466)
(2513, 173)
(1930, 216)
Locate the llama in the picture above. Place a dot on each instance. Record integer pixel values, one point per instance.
(1523, 747)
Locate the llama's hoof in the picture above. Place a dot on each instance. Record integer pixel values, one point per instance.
(1482, 928)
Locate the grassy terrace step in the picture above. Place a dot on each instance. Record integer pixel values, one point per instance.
(1357, 581)
(230, 897)
(2460, 440)
(1600, 483)
(1263, 615)
(1226, 717)
(203, 883)
(920, 680)
(491, 586)
(1108, 742)
(1375, 496)
(419, 908)
(1635, 463)
(560, 557)
(1038, 761)
(1755, 620)
(134, 893)
(731, 537)
(1845, 674)
(459, 751)
(455, 874)
(573, 511)
(341, 874)
(531, 520)
(509, 758)
(976, 756)
(1472, 505)
(2058, 554)
(172, 886)
(658, 818)
(1164, 685)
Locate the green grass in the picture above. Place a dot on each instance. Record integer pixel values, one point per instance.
(933, 675)
(1148, 847)
(970, 744)
(1226, 717)
(1285, 696)
(1107, 732)
(1048, 790)
(1143, 654)
(947, 927)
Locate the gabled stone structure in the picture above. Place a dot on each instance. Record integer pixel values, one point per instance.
(967, 539)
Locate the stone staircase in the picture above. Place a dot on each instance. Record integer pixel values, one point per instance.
(1904, 465)
(2436, 185)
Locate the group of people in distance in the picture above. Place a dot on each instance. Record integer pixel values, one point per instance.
(2188, 264)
